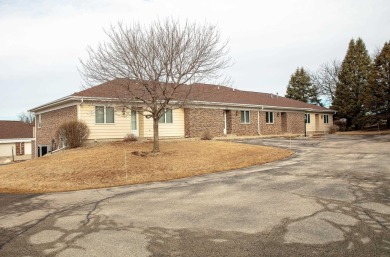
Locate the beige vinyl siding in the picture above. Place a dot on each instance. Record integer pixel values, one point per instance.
(317, 123)
(27, 148)
(117, 130)
(325, 126)
(311, 126)
(174, 129)
(141, 130)
(6, 149)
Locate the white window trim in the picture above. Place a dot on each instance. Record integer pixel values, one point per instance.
(308, 118)
(20, 148)
(165, 117)
(249, 116)
(326, 120)
(133, 115)
(105, 115)
(273, 117)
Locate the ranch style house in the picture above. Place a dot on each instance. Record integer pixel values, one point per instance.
(220, 110)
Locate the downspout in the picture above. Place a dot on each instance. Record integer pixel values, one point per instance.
(79, 109)
(35, 138)
(258, 121)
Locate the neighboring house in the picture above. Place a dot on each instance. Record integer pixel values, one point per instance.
(15, 139)
(218, 109)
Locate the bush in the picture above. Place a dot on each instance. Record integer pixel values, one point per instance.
(73, 133)
(130, 138)
(333, 129)
(342, 124)
(206, 135)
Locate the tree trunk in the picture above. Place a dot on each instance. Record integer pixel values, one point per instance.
(156, 142)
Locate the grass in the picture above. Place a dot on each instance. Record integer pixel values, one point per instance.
(103, 165)
(364, 132)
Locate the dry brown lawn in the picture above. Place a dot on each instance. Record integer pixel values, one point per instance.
(103, 165)
(364, 132)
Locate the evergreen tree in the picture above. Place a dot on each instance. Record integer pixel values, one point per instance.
(353, 79)
(301, 88)
(376, 97)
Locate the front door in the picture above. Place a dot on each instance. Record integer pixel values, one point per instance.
(225, 123)
(317, 122)
(134, 123)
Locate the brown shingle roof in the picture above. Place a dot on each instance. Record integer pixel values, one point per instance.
(203, 92)
(15, 129)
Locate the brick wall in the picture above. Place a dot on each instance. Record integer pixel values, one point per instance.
(33, 149)
(243, 129)
(19, 148)
(295, 123)
(273, 128)
(50, 121)
(197, 121)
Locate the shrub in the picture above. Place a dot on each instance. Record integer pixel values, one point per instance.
(333, 129)
(73, 133)
(206, 135)
(130, 138)
(342, 124)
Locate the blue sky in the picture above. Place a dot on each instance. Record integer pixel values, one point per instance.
(42, 41)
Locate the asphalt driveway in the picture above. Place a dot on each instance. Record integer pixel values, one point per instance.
(331, 199)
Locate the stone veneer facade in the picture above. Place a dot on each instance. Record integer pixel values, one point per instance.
(197, 121)
(50, 121)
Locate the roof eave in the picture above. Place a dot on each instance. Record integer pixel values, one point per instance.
(15, 140)
(200, 103)
(54, 103)
(257, 106)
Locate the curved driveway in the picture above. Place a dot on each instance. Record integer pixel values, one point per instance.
(332, 198)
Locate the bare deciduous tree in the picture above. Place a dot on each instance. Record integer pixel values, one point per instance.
(27, 117)
(326, 78)
(157, 63)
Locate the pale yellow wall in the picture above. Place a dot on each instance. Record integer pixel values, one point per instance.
(174, 129)
(117, 130)
(321, 125)
(122, 125)
(27, 148)
(141, 119)
(6, 149)
(311, 126)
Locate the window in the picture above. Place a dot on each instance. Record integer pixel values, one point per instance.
(166, 117)
(133, 120)
(20, 148)
(269, 117)
(43, 150)
(104, 114)
(39, 120)
(326, 118)
(109, 114)
(307, 118)
(245, 117)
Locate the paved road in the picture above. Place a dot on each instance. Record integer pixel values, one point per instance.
(331, 199)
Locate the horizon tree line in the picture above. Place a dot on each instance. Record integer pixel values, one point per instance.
(358, 88)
